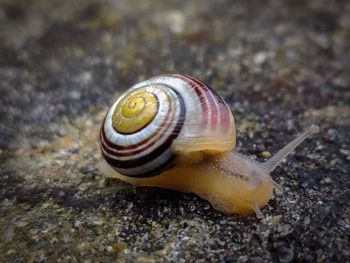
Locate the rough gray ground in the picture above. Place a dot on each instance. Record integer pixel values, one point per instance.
(280, 65)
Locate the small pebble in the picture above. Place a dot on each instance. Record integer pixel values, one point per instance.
(260, 58)
(306, 220)
(266, 154)
(21, 223)
(9, 232)
(285, 254)
(97, 222)
(109, 248)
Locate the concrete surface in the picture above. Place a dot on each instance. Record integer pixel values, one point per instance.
(280, 65)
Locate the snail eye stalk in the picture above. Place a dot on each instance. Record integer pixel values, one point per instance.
(275, 160)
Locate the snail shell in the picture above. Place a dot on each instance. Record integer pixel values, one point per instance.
(162, 117)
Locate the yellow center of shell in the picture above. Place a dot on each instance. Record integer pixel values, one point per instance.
(134, 112)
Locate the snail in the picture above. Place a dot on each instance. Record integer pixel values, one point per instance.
(174, 132)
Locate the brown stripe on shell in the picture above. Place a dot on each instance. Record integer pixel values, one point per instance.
(164, 166)
(200, 95)
(117, 147)
(156, 152)
(208, 93)
(120, 150)
(152, 139)
(221, 106)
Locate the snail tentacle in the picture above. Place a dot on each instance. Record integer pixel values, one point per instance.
(275, 160)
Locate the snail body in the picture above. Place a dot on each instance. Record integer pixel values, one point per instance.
(174, 132)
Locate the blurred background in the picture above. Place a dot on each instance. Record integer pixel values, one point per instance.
(280, 65)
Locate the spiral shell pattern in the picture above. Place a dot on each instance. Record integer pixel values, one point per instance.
(154, 120)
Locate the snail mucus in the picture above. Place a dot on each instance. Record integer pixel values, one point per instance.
(174, 132)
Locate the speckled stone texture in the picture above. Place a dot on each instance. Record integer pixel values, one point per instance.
(280, 65)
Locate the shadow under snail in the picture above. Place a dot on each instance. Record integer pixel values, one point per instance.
(174, 132)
